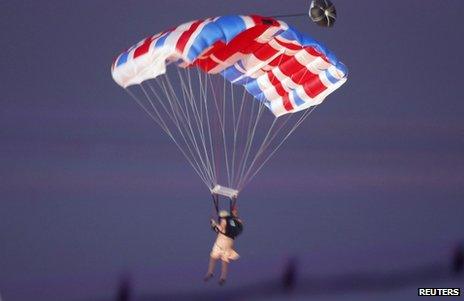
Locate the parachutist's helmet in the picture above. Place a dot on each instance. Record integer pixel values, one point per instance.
(224, 214)
(323, 13)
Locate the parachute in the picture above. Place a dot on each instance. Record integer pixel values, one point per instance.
(229, 90)
(323, 13)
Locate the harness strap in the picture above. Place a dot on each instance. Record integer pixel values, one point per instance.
(215, 203)
(232, 204)
(216, 229)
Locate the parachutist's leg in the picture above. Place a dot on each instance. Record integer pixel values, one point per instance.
(224, 268)
(212, 264)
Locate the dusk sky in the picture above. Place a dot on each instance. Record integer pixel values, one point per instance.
(91, 189)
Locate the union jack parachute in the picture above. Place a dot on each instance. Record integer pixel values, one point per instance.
(229, 90)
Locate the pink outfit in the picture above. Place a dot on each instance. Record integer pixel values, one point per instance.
(223, 249)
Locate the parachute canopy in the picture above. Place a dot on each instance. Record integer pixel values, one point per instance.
(279, 66)
(237, 87)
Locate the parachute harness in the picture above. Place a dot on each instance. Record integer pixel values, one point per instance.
(216, 204)
(232, 204)
(234, 226)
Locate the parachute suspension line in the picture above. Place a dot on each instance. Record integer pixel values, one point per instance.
(185, 98)
(243, 171)
(234, 141)
(260, 149)
(236, 128)
(224, 89)
(199, 115)
(201, 119)
(150, 114)
(163, 126)
(251, 137)
(290, 15)
(265, 144)
(270, 128)
(168, 89)
(246, 178)
(177, 120)
(202, 153)
(249, 127)
(189, 128)
(297, 124)
(204, 100)
(220, 112)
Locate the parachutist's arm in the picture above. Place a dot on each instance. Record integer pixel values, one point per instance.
(213, 225)
(222, 225)
(218, 228)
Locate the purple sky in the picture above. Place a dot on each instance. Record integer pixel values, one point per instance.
(376, 180)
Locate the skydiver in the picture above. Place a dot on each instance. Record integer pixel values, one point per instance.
(228, 227)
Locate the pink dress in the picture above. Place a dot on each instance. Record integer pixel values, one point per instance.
(223, 249)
